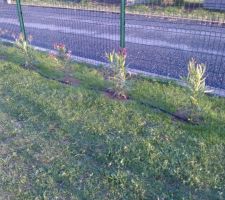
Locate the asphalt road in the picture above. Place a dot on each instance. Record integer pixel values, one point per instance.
(156, 45)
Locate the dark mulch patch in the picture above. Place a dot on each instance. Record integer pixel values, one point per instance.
(71, 81)
(110, 94)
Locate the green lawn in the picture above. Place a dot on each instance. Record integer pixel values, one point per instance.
(74, 142)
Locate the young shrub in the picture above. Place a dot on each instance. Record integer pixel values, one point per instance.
(119, 74)
(64, 56)
(195, 82)
(26, 49)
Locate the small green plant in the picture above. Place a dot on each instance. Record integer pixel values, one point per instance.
(26, 49)
(64, 56)
(119, 74)
(196, 82)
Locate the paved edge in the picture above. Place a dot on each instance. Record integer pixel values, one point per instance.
(215, 91)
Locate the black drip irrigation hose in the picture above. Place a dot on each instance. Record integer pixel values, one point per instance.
(179, 118)
(182, 119)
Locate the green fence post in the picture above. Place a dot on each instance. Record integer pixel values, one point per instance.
(20, 17)
(122, 23)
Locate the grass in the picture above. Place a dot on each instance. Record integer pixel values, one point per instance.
(198, 13)
(63, 142)
(191, 9)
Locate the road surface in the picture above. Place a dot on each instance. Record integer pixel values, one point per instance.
(156, 45)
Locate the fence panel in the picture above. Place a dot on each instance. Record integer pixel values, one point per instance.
(88, 31)
(162, 36)
(9, 24)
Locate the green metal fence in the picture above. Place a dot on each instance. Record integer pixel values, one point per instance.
(20, 17)
(122, 21)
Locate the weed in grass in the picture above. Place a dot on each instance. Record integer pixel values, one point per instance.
(26, 50)
(119, 74)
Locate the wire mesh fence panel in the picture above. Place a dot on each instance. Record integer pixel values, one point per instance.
(9, 24)
(85, 28)
(162, 36)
